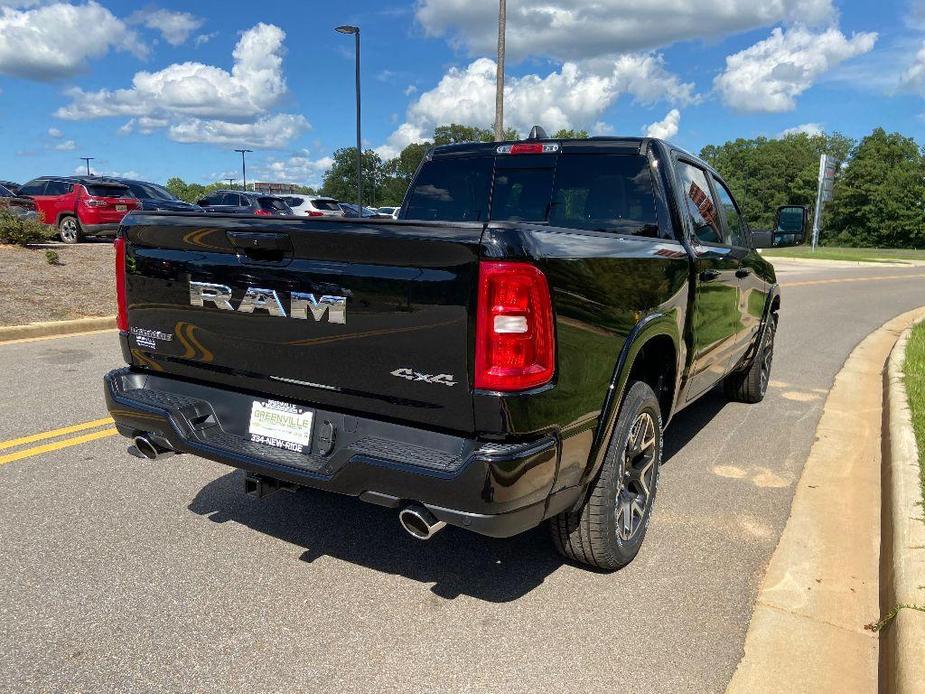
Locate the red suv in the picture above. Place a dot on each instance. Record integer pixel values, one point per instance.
(80, 206)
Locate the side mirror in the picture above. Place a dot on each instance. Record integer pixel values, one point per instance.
(762, 239)
(789, 226)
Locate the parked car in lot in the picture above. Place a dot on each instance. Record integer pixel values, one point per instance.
(18, 205)
(508, 352)
(241, 202)
(313, 206)
(80, 205)
(350, 210)
(154, 197)
(389, 211)
(10, 186)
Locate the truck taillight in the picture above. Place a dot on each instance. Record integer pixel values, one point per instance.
(514, 336)
(121, 308)
(263, 213)
(315, 213)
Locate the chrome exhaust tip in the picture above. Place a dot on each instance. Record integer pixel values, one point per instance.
(149, 449)
(420, 522)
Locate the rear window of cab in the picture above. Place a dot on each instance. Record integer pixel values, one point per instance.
(599, 192)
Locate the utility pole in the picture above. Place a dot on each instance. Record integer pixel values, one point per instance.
(355, 30)
(88, 160)
(244, 165)
(230, 182)
(499, 77)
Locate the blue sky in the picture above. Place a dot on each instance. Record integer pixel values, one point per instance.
(196, 83)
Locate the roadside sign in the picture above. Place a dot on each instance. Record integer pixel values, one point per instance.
(827, 168)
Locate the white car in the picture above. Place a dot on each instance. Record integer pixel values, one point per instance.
(313, 206)
(391, 211)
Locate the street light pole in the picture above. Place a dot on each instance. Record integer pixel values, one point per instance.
(499, 75)
(88, 160)
(230, 182)
(244, 165)
(355, 30)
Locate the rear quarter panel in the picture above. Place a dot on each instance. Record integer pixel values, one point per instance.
(603, 286)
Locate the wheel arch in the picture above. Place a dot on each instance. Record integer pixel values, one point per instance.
(653, 343)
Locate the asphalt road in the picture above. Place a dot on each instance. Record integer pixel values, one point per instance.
(118, 574)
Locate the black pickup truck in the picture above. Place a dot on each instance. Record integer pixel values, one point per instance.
(507, 352)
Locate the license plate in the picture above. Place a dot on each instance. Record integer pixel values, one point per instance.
(121, 208)
(281, 425)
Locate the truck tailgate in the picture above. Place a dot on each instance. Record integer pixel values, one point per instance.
(368, 317)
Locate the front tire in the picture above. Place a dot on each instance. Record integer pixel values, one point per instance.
(609, 528)
(751, 385)
(69, 230)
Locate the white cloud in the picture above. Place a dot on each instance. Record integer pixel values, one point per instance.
(575, 96)
(410, 89)
(570, 29)
(56, 40)
(254, 84)
(54, 132)
(811, 129)
(203, 39)
(175, 27)
(143, 124)
(266, 133)
(913, 78)
(298, 168)
(769, 75)
(204, 103)
(66, 146)
(666, 128)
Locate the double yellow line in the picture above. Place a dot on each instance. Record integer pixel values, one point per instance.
(65, 442)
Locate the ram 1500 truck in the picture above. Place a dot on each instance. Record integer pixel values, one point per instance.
(507, 352)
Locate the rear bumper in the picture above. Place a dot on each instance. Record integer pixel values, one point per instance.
(493, 489)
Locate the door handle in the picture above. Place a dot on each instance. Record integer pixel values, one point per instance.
(743, 272)
(709, 275)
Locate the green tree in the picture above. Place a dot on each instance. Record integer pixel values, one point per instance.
(571, 134)
(879, 200)
(455, 133)
(340, 181)
(764, 173)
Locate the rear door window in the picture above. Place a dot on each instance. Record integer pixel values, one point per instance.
(233, 200)
(735, 225)
(33, 188)
(454, 189)
(57, 188)
(700, 204)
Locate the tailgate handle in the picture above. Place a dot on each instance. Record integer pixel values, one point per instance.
(260, 241)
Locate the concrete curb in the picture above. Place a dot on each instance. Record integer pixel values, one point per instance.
(55, 328)
(823, 582)
(903, 549)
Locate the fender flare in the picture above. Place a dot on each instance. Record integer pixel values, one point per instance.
(66, 213)
(651, 326)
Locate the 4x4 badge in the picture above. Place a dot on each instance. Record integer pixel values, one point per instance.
(412, 375)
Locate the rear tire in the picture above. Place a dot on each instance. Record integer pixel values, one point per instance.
(69, 230)
(609, 528)
(751, 385)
